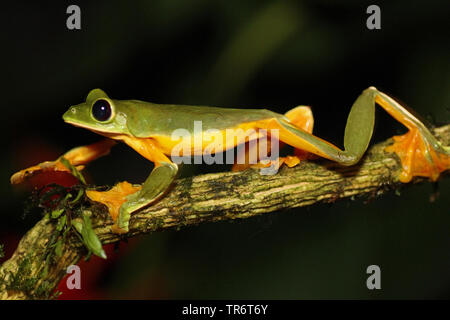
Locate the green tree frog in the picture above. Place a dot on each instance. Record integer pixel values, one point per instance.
(148, 127)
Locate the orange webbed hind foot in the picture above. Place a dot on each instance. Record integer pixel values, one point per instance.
(418, 157)
(113, 199)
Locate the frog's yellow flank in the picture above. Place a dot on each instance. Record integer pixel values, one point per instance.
(148, 127)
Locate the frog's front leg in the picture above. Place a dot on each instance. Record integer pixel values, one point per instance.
(153, 188)
(124, 198)
(78, 157)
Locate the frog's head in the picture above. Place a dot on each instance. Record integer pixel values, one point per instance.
(99, 114)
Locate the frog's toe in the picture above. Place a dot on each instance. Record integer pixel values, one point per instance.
(290, 161)
(418, 156)
(114, 199)
(47, 166)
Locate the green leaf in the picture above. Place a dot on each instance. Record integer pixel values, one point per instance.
(79, 195)
(58, 248)
(90, 239)
(78, 224)
(45, 270)
(77, 174)
(61, 223)
(67, 197)
(56, 213)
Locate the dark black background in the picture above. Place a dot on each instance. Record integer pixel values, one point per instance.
(238, 54)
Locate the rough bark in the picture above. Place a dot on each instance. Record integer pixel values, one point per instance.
(209, 198)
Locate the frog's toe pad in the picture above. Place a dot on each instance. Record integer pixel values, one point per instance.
(418, 157)
(113, 198)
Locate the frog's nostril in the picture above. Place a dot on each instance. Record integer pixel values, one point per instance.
(73, 110)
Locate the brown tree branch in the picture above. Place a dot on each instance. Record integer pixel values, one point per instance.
(208, 198)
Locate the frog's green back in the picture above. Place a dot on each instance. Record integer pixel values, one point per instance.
(145, 119)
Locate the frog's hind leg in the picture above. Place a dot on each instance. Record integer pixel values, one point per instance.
(301, 117)
(421, 154)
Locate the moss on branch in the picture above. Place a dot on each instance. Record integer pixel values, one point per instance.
(207, 198)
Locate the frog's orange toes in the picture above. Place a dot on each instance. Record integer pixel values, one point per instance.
(113, 199)
(78, 157)
(290, 161)
(46, 166)
(418, 157)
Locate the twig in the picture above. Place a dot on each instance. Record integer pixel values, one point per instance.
(208, 198)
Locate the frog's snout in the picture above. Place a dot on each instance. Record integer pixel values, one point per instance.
(70, 114)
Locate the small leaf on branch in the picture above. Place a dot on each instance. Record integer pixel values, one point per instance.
(77, 174)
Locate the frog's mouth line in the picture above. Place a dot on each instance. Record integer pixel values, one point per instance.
(103, 133)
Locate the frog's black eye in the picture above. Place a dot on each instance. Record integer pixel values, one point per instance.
(101, 110)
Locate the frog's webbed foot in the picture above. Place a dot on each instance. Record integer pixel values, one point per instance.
(421, 154)
(418, 156)
(78, 157)
(113, 199)
(124, 199)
